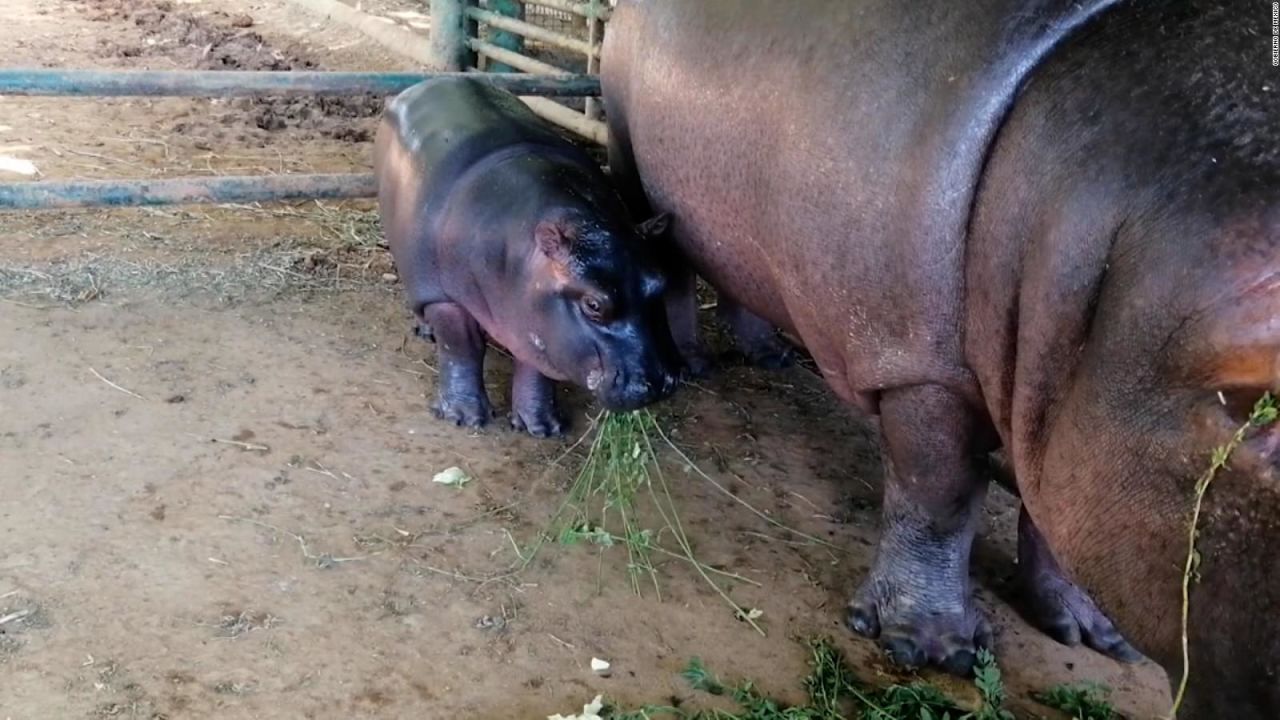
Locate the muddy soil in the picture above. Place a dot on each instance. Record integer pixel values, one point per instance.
(218, 40)
(216, 458)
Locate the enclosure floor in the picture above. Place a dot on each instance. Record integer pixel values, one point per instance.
(216, 457)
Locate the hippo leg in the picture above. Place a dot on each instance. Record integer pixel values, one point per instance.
(461, 345)
(533, 403)
(755, 337)
(682, 316)
(1056, 605)
(917, 599)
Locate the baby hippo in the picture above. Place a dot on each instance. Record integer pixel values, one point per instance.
(500, 227)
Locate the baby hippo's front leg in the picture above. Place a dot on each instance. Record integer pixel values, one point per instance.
(533, 403)
(461, 345)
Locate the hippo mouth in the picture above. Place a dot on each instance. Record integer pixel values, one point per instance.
(622, 389)
(596, 375)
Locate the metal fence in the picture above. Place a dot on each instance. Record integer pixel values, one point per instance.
(553, 38)
(217, 83)
(537, 49)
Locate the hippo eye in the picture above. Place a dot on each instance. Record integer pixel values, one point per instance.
(593, 308)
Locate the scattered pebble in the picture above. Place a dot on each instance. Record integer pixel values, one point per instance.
(489, 622)
(242, 21)
(600, 667)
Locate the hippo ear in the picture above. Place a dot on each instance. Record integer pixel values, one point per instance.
(655, 227)
(552, 240)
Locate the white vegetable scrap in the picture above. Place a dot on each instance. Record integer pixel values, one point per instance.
(590, 711)
(600, 667)
(453, 476)
(18, 166)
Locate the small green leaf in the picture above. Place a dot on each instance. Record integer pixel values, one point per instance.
(1220, 455)
(699, 678)
(1264, 412)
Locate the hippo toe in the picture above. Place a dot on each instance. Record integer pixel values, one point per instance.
(463, 410)
(696, 364)
(917, 627)
(775, 355)
(540, 422)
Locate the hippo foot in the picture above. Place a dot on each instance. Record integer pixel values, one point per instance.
(533, 403)
(919, 631)
(697, 365)
(540, 422)
(1067, 614)
(423, 330)
(917, 602)
(1058, 606)
(755, 337)
(464, 411)
(770, 356)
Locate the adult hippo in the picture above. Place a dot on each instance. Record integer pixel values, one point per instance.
(502, 229)
(1046, 226)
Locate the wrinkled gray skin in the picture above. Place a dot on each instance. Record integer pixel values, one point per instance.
(502, 229)
(1048, 227)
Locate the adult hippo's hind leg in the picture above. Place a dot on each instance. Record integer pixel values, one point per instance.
(460, 342)
(1059, 607)
(755, 337)
(917, 599)
(533, 403)
(682, 316)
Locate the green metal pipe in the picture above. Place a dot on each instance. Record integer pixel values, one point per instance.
(533, 32)
(509, 41)
(184, 191)
(449, 51)
(234, 83)
(516, 60)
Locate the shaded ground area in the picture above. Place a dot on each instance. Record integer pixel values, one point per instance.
(216, 460)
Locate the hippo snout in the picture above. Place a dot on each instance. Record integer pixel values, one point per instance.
(631, 391)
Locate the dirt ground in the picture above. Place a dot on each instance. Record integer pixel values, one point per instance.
(216, 458)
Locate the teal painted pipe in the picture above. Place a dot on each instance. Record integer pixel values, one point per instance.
(504, 39)
(235, 83)
(184, 191)
(449, 51)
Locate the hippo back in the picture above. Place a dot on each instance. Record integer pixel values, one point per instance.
(451, 125)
